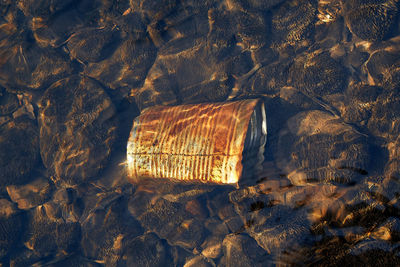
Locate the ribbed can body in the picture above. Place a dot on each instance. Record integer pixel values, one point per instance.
(202, 142)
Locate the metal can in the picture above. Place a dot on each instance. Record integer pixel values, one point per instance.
(207, 142)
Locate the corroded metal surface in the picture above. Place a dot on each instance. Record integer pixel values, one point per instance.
(202, 142)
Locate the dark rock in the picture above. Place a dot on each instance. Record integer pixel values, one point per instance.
(379, 65)
(203, 66)
(180, 255)
(19, 57)
(392, 168)
(264, 55)
(158, 89)
(68, 236)
(221, 37)
(154, 10)
(318, 147)
(19, 151)
(279, 229)
(370, 20)
(110, 10)
(174, 78)
(363, 93)
(49, 235)
(295, 100)
(180, 30)
(268, 80)
(11, 227)
(78, 128)
(333, 251)
(383, 67)
(93, 45)
(389, 230)
(251, 29)
(24, 257)
(133, 26)
(42, 8)
(197, 261)
(357, 57)
(242, 250)
(391, 79)
(273, 219)
(317, 74)
(360, 100)
(55, 31)
(371, 255)
(218, 205)
(207, 91)
(172, 222)
(145, 250)
(127, 66)
(70, 203)
(261, 5)
(212, 246)
(105, 228)
(216, 227)
(31, 194)
(73, 260)
(189, 20)
(27, 66)
(51, 67)
(102, 12)
(293, 23)
(8, 103)
(385, 115)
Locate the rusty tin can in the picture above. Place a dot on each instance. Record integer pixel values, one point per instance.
(208, 142)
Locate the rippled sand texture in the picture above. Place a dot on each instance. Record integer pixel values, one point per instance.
(74, 74)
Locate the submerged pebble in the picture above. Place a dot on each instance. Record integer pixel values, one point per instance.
(19, 151)
(78, 128)
(323, 149)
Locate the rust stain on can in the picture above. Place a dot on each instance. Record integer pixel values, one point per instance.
(199, 142)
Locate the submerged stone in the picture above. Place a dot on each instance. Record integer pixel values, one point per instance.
(78, 128)
(145, 250)
(317, 74)
(293, 23)
(8, 102)
(154, 10)
(371, 20)
(42, 8)
(382, 67)
(317, 147)
(93, 45)
(19, 151)
(197, 261)
(11, 227)
(31, 194)
(55, 31)
(26, 66)
(360, 100)
(385, 115)
(173, 223)
(105, 228)
(49, 234)
(242, 250)
(127, 66)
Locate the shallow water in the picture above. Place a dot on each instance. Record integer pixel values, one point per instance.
(75, 74)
